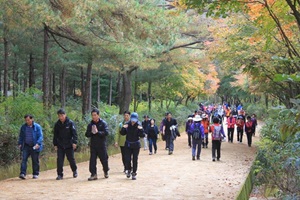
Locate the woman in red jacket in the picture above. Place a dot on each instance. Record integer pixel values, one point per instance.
(230, 127)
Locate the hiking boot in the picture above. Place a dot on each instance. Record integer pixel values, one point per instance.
(106, 175)
(193, 158)
(155, 151)
(198, 158)
(22, 176)
(128, 174)
(35, 176)
(93, 177)
(75, 174)
(218, 159)
(59, 177)
(133, 176)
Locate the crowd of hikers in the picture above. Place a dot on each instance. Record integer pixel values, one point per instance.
(131, 133)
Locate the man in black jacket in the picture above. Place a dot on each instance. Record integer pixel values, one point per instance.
(65, 142)
(97, 130)
(133, 131)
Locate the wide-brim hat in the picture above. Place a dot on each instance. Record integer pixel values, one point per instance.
(190, 118)
(197, 118)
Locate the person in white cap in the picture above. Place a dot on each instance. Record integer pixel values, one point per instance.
(197, 132)
(187, 130)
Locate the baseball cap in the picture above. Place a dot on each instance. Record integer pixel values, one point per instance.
(134, 117)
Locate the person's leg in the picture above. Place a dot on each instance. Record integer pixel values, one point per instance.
(71, 159)
(171, 145)
(155, 144)
(102, 154)
(150, 145)
(219, 150)
(123, 157)
(241, 135)
(128, 158)
(213, 149)
(35, 163)
(135, 154)
(60, 161)
(238, 134)
(25, 155)
(193, 148)
(206, 140)
(228, 134)
(145, 143)
(190, 140)
(167, 137)
(249, 139)
(199, 149)
(232, 134)
(93, 161)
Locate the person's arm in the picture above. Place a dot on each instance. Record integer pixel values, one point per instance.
(74, 133)
(222, 131)
(124, 129)
(21, 138)
(55, 143)
(103, 132)
(117, 134)
(186, 127)
(202, 131)
(39, 137)
(141, 132)
(156, 130)
(88, 132)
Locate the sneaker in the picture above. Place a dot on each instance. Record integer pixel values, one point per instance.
(198, 158)
(22, 176)
(133, 176)
(35, 176)
(214, 160)
(59, 177)
(150, 153)
(167, 148)
(128, 174)
(75, 174)
(218, 159)
(155, 152)
(93, 177)
(170, 152)
(106, 175)
(193, 158)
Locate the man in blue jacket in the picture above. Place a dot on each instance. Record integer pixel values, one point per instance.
(31, 144)
(97, 130)
(65, 143)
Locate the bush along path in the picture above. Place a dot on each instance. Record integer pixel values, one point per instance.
(160, 176)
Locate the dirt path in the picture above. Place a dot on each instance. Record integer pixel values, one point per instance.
(160, 176)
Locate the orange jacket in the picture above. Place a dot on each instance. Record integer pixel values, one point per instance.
(205, 124)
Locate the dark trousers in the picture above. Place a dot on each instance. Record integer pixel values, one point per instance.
(249, 138)
(190, 140)
(61, 153)
(152, 142)
(132, 156)
(101, 153)
(205, 141)
(28, 151)
(216, 146)
(240, 132)
(196, 147)
(230, 132)
(123, 153)
(170, 142)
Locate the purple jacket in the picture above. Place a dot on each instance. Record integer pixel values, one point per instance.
(192, 127)
(188, 127)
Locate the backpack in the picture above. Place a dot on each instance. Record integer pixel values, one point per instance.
(217, 133)
(196, 132)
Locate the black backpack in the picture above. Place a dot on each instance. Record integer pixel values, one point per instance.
(196, 132)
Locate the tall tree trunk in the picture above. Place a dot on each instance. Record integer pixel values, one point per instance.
(149, 96)
(5, 83)
(0, 80)
(87, 103)
(25, 81)
(98, 90)
(135, 95)
(126, 92)
(83, 94)
(63, 88)
(119, 89)
(53, 88)
(15, 76)
(110, 90)
(46, 70)
(31, 71)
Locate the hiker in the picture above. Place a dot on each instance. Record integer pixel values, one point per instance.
(65, 143)
(240, 123)
(97, 131)
(230, 127)
(133, 131)
(205, 124)
(249, 130)
(120, 139)
(254, 120)
(217, 135)
(188, 124)
(197, 132)
(146, 124)
(152, 136)
(31, 144)
(168, 128)
(163, 137)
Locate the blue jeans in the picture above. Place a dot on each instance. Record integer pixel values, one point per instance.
(196, 143)
(170, 142)
(28, 151)
(152, 141)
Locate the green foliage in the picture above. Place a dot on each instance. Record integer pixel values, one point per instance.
(258, 109)
(278, 162)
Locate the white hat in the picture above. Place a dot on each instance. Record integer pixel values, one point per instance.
(190, 118)
(204, 116)
(197, 118)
